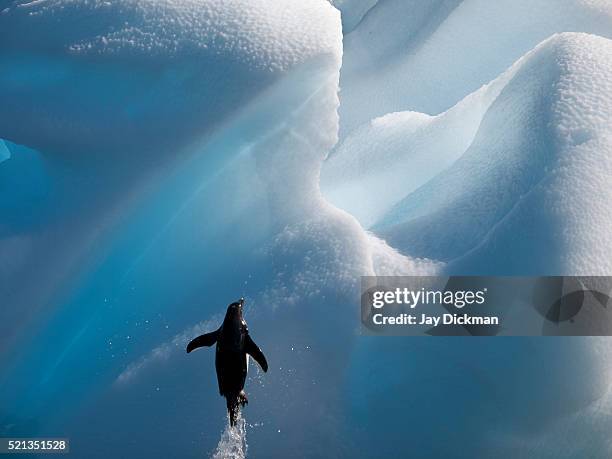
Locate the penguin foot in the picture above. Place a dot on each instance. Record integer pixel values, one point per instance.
(242, 398)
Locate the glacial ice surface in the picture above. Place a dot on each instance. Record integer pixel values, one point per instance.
(427, 56)
(520, 157)
(167, 157)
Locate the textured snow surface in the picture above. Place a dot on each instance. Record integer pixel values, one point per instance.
(426, 56)
(254, 33)
(509, 172)
(161, 158)
(136, 73)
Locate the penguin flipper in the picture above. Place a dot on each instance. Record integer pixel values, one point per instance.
(203, 340)
(253, 350)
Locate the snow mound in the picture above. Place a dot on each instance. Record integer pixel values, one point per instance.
(384, 160)
(141, 74)
(440, 51)
(530, 193)
(256, 33)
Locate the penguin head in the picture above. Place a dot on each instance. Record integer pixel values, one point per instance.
(234, 310)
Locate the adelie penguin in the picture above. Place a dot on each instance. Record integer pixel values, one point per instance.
(234, 345)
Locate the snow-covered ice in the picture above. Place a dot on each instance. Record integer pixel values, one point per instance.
(521, 157)
(160, 158)
(427, 56)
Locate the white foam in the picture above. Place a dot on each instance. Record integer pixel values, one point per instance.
(232, 444)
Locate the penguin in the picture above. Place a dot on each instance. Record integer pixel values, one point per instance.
(234, 346)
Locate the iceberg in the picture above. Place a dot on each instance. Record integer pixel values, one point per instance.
(166, 157)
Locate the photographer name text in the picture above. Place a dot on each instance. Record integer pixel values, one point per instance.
(385, 305)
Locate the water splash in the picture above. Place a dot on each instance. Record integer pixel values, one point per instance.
(232, 444)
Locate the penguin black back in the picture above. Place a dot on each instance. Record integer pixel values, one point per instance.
(234, 345)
